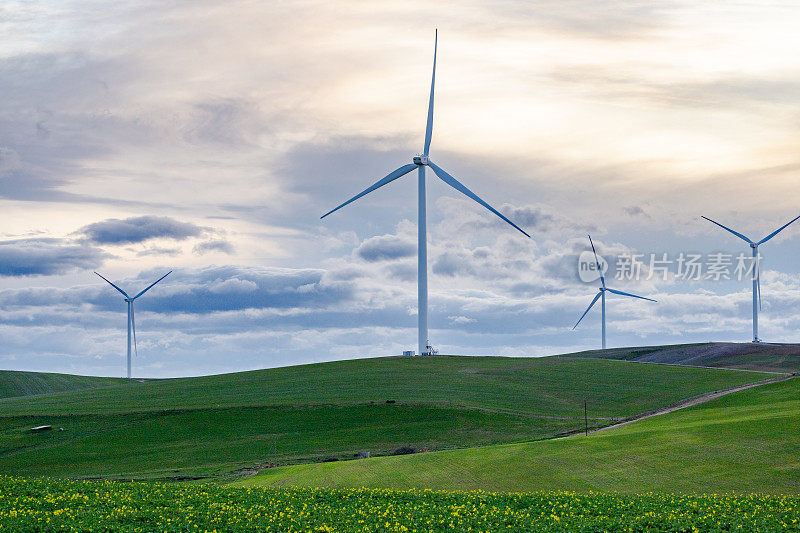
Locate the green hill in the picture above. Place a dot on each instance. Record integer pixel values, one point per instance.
(214, 425)
(14, 383)
(748, 441)
(768, 357)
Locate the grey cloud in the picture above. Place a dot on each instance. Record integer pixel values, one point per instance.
(198, 291)
(385, 247)
(350, 163)
(157, 250)
(635, 210)
(231, 122)
(230, 288)
(535, 219)
(139, 229)
(402, 271)
(213, 246)
(46, 257)
(542, 218)
(452, 264)
(9, 160)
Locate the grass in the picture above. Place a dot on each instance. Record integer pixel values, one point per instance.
(216, 425)
(60, 505)
(181, 444)
(743, 442)
(14, 383)
(552, 386)
(743, 355)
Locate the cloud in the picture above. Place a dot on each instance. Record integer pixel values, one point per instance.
(159, 250)
(47, 257)
(213, 246)
(635, 210)
(229, 288)
(385, 247)
(453, 263)
(9, 160)
(464, 217)
(139, 229)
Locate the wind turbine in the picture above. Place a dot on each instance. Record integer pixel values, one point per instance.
(756, 268)
(602, 295)
(420, 162)
(131, 315)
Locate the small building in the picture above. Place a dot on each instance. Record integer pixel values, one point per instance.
(408, 353)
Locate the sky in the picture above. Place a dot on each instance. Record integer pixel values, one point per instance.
(208, 138)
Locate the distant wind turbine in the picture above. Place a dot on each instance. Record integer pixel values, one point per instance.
(756, 268)
(131, 315)
(602, 295)
(420, 162)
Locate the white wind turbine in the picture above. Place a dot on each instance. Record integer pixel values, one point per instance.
(131, 315)
(602, 295)
(420, 162)
(756, 268)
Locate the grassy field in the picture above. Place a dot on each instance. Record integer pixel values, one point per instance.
(58, 505)
(748, 441)
(15, 384)
(738, 355)
(215, 425)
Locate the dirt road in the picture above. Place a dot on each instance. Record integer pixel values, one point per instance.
(683, 404)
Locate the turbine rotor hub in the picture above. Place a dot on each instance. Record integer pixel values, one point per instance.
(421, 160)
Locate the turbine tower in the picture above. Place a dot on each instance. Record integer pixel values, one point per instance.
(601, 294)
(756, 268)
(420, 162)
(131, 315)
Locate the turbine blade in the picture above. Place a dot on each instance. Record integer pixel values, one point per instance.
(597, 297)
(405, 169)
(629, 294)
(133, 327)
(125, 294)
(729, 229)
(771, 235)
(429, 124)
(151, 286)
(597, 262)
(454, 183)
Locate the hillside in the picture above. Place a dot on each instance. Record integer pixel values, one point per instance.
(768, 357)
(214, 425)
(14, 383)
(748, 441)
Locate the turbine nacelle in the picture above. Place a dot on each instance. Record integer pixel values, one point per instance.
(421, 160)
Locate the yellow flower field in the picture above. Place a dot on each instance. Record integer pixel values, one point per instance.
(64, 505)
